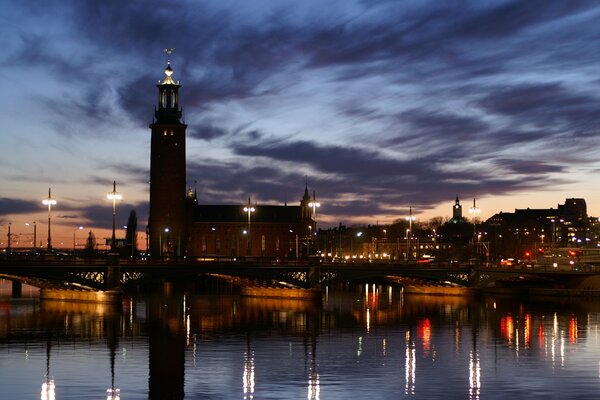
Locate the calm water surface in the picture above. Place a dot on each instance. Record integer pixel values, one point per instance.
(365, 341)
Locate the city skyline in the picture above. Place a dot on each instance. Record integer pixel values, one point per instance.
(381, 106)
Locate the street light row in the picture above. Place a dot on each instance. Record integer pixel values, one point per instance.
(49, 201)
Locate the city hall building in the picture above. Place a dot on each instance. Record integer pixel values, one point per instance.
(178, 225)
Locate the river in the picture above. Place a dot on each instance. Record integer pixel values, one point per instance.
(361, 341)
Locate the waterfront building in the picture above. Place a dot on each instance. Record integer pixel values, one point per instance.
(528, 232)
(179, 225)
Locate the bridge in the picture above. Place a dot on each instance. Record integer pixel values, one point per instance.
(99, 275)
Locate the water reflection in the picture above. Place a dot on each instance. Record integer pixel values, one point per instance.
(48, 387)
(410, 366)
(357, 343)
(474, 376)
(248, 377)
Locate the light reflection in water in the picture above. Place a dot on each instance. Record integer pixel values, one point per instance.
(209, 326)
(248, 377)
(113, 394)
(541, 338)
(474, 376)
(573, 330)
(527, 330)
(313, 385)
(187, 331)
(411, 365)
(359, 351)
(48, 389)
(424, 333)
(562, 350)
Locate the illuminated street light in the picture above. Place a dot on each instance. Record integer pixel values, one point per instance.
(475, 212)
(114, 196)
(49, 202)
(410, 220)
(314, 205)
(75, 231)
(249, 210)
(34, 233)
(160, 240)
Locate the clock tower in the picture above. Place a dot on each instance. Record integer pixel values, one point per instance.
(166, 222)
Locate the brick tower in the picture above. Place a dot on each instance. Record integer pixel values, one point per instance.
(166, 222)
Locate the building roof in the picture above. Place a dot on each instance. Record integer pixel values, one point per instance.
(236, 214)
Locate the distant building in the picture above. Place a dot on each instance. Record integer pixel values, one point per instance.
(179, 226)
(457, 213)
(530, 230)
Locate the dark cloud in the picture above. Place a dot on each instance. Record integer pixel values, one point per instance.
(206, 131)
(512, 17)
(543, 104)
(454, 115)
(18, 206)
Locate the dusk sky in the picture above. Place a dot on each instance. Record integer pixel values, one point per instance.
(382, 105)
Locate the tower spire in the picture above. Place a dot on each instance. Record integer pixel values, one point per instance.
(168, 111)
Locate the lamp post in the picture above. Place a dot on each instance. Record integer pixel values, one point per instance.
(410, 220)
(34, 234)
(160, 240)
(75, 231)
(114, 196)
(49, 202)
(475, 212)
(249, 210)
(314, 205)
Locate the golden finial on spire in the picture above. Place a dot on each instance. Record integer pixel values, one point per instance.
(168, 71)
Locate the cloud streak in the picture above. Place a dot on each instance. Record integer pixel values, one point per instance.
(380, 103)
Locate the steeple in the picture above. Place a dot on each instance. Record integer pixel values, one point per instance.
(304, 202)
(457, 211)
(306, 197)
(168, 111)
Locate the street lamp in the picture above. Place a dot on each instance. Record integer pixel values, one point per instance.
(160, 240)
(249, 210)
(475, 212)
(410, 220)
(34, 234)
(314, 205)
(74, 231)
(49, 202)
(114, 196)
